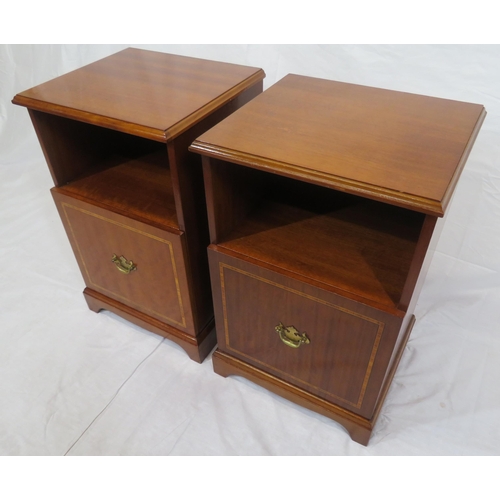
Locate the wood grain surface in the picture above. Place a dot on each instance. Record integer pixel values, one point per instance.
(400, 148)
(363, 250)
(120, 190)
(350, 343)
(158, 287)
(359, 428)
(296, 243)
(145, 93)
(138, 187)
(360, 247)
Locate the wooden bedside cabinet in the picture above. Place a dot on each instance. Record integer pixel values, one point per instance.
(115, 135)
(323, 198)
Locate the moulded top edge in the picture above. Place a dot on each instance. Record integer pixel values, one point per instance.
(153, 94)
(91, 118)
(400, 148)
(404, 200)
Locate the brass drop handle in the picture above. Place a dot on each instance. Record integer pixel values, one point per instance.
(291, 336)
(123, 265)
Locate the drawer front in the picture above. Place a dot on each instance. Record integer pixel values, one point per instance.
(330, 346)
(138, 265)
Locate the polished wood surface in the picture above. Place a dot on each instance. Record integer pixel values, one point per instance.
(138, 187)
(355, 249)
(399, 148)
(74, 149)
(144, 93)
(323, 199)
(232, 193)
(420, 252)
(350, 343)
(158, 287)
(359, 428)
(191, 210)
(115, 135)
(359, 246)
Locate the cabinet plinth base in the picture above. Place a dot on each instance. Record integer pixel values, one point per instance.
(359, 428)
(197, 348)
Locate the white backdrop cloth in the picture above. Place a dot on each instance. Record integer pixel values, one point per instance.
(78, 383)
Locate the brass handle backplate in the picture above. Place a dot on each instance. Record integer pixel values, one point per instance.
(291, 336)
(123, 265)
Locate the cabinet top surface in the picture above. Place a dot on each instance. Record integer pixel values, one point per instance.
(146, 93)
(404, 149)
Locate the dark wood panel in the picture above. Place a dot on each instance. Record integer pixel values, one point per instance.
(417, 261)
(157, 287)
(232, 193)
(336, 362)
(73, 149)
(350, 344)
(359, 428)
(191, 208)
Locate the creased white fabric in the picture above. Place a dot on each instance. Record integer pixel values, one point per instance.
(79, 383)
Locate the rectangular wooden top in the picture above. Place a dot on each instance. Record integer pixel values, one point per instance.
(403, 149)
(145, 93)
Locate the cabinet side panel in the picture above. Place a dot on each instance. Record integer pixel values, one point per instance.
(189, 194)
(417, 262)
(232, 192)
(72, 148)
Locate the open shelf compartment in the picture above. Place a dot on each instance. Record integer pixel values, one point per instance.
(126, 174)
(354, 245)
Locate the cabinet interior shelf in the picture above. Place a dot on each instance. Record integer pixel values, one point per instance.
(139, 187)
(356, 245)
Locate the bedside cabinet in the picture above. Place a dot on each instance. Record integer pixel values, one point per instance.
(115, 135)
(323, 198)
